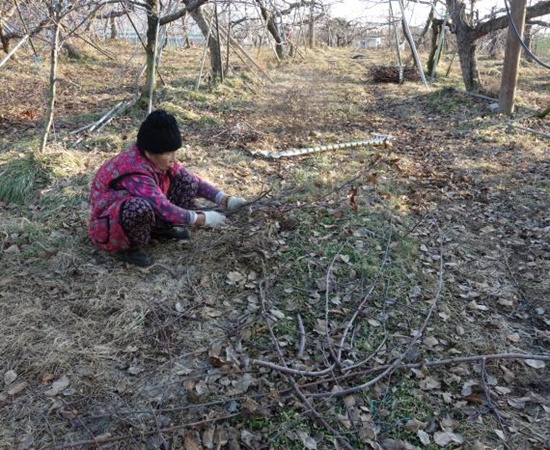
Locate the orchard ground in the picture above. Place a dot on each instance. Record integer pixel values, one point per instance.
(280, 329)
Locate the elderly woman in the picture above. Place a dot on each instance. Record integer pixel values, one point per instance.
(144, 191)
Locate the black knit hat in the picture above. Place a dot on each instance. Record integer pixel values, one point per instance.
(159, 133)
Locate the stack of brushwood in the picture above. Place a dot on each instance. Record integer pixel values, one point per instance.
(393, 74)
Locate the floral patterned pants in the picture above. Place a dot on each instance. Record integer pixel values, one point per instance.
(138, 219)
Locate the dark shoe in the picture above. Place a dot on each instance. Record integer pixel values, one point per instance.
(173, 233)
(137, 257)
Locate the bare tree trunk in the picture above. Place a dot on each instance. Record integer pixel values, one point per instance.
(273, 29)
(436, 30)
(311, 27)
(151, 45)
(114, 28)
(466, 45)
(53, 77)
(467, 35)
(528, 39)
(212, 42)
(426, 27)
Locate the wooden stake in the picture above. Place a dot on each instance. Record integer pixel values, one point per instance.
(203, 58)
(245, 53)
(413, 47)
(511, 58)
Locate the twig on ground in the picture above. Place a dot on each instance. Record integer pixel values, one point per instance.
(106, 118)
(295, 386)
(434, 363)
(335, 356)
(152, 266)
(530, 130)
(302, 341)
(518, 287)
(343, 441)
(366, 297)
(109, 440)
(289, 371)
(392, 367)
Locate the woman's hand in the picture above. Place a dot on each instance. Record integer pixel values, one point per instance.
(211, 219)
(235, 202)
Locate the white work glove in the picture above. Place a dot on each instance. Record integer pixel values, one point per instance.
(213, 219)
(235, 202)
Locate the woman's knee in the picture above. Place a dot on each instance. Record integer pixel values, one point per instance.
(138, 209)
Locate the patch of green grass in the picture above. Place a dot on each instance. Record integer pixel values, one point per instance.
(282, 433)
(402, 402)
(106, 142)
(182, 114)
(208, 120)
(21, 175)
(446, 101)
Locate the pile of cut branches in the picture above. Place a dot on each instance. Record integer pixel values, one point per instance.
(393, 74)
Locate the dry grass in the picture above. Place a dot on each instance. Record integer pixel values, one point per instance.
(146, 350)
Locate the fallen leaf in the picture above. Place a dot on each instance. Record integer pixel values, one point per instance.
(414, 425)
(430, 341)
(278, 314)
(448, 424)
(134, 370)
(6, 281)
(503, 390)
(248, 438)
(397, 444)
(68, 414)
(443, 438)
(517, 402)
(508, 374)
(235, 277)
(191, 441)
(102, 437)
(535, 363)
(344, 420)
(242, 384)
(423, 436)
(430, 383)
(349, 401)
(307, 440)
(57, 386)
(208, 437)
(9, 377)
(500, 434)
(17, 388)
(474, 305)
